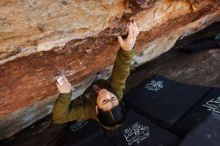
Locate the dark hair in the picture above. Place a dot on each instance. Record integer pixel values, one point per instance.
(113, 117)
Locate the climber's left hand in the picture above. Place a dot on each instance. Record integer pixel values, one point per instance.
(63, 84)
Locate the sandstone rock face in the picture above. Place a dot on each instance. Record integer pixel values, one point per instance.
(40, 38)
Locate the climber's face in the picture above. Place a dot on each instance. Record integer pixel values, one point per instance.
(106, 100)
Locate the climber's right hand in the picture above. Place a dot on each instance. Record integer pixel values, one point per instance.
(63, 85)
(129, 42)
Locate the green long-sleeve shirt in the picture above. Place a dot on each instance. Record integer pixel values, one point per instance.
(83, 107)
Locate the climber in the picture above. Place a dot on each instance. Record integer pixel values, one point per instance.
(102, 100)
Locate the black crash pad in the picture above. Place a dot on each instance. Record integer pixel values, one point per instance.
(207, 133)
(86, 133)
(137, 131)
(210, 103)
(163, 99)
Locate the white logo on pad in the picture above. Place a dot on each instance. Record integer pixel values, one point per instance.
(136, 133)
(154, 85)
(213, 105)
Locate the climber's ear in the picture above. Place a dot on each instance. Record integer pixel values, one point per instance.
(96, 109)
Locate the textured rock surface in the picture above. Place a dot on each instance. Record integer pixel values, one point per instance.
(42, 24)
(41, 38)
